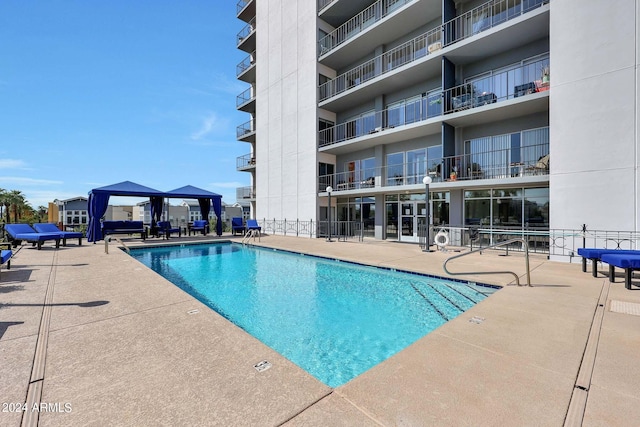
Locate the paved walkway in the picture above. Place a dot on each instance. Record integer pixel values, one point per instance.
(89, 338)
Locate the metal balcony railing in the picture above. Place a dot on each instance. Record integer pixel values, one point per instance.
(486, 16)
(247, 30)
(411, 111)
(245, 193)
(245, 129)
(245, 97)
(246, 161)
(496, 164)
(361, 21)
(429, 42)
(518, 81)
(407, 52)
(241, 5)
(246, 63)
(322, 4)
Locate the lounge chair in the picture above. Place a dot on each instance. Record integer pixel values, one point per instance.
(19, 232)
(237, 225)
(5, 255)
(199, 225)
(52, 228)
(165, 229)
(252, 224)
(595, 255)
(628, 262)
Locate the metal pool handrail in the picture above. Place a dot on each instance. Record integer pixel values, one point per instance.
(506, 242)
(108, 239)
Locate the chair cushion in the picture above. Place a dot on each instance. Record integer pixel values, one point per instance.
(596, 253)
(5, 256)
(622, 260)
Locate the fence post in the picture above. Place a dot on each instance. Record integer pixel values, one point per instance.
(285, 226)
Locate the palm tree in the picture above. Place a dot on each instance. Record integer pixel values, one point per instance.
(17, 202)
(42, 212)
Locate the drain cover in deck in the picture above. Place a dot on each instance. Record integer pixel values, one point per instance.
(625, 307)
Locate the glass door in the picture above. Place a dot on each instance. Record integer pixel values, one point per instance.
(412, 215)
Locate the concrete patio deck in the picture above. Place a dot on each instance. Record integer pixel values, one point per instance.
(89, 338)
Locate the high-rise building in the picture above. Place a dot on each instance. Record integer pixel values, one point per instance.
(523, 113)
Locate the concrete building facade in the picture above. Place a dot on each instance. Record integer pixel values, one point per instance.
(507, 106)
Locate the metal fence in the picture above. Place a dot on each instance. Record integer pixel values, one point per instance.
(557, 243)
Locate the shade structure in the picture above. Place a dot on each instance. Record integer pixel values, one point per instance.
(205, 199)
(99, 200)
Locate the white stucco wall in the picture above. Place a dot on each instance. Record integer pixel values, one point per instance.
(286, 120)
(593, 116)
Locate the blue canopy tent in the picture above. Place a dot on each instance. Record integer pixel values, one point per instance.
(99, 200)
(205, 200)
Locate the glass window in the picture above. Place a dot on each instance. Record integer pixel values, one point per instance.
(392, 221)
(395, 169)
(536, 207)
(395, 114)
(368, 172)
(416, 166)
(434, 162)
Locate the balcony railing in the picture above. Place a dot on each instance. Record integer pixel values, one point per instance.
(516, 82)
(323, 3)
(246, 63)
(246, 31)
(246, 161)
(244, 97)
(496, 164)
(361, 21)
(411, 111)
(426, 43)
(245, 193)
(241, 5)
(244, 129)
(486, 16)
(397, 57)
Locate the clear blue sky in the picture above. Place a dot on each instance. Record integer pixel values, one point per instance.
(93, 93)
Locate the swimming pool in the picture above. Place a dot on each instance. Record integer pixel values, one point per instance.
(334, 319)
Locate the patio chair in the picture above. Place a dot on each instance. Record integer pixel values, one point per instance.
(5, 255)
(252, 225)
(165, 229)
(199, 225)
(52, 228)
(237, 225)
(19, 232)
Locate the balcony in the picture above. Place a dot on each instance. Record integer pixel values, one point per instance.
(247, 37)
(246, 101)
(246, 132)
(411, 111)
(383, 21)
(335, 12)
(246, 9)
(517, 82)
(246, 162)
(245, 193)
(246, 70)
(415, 58)
(413, 50)
(522, 164)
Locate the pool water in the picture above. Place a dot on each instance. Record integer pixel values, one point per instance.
(334, 319)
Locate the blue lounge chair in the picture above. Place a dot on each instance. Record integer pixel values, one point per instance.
(237, 225)
(165, 229)
(252, 224)
(629, 262)
(199, 225)
(19, 232)
(5, 255)
(52, 228)
(595, 254)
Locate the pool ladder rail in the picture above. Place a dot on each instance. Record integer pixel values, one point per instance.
(108, 239)
(249, 234)
(525, 245)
